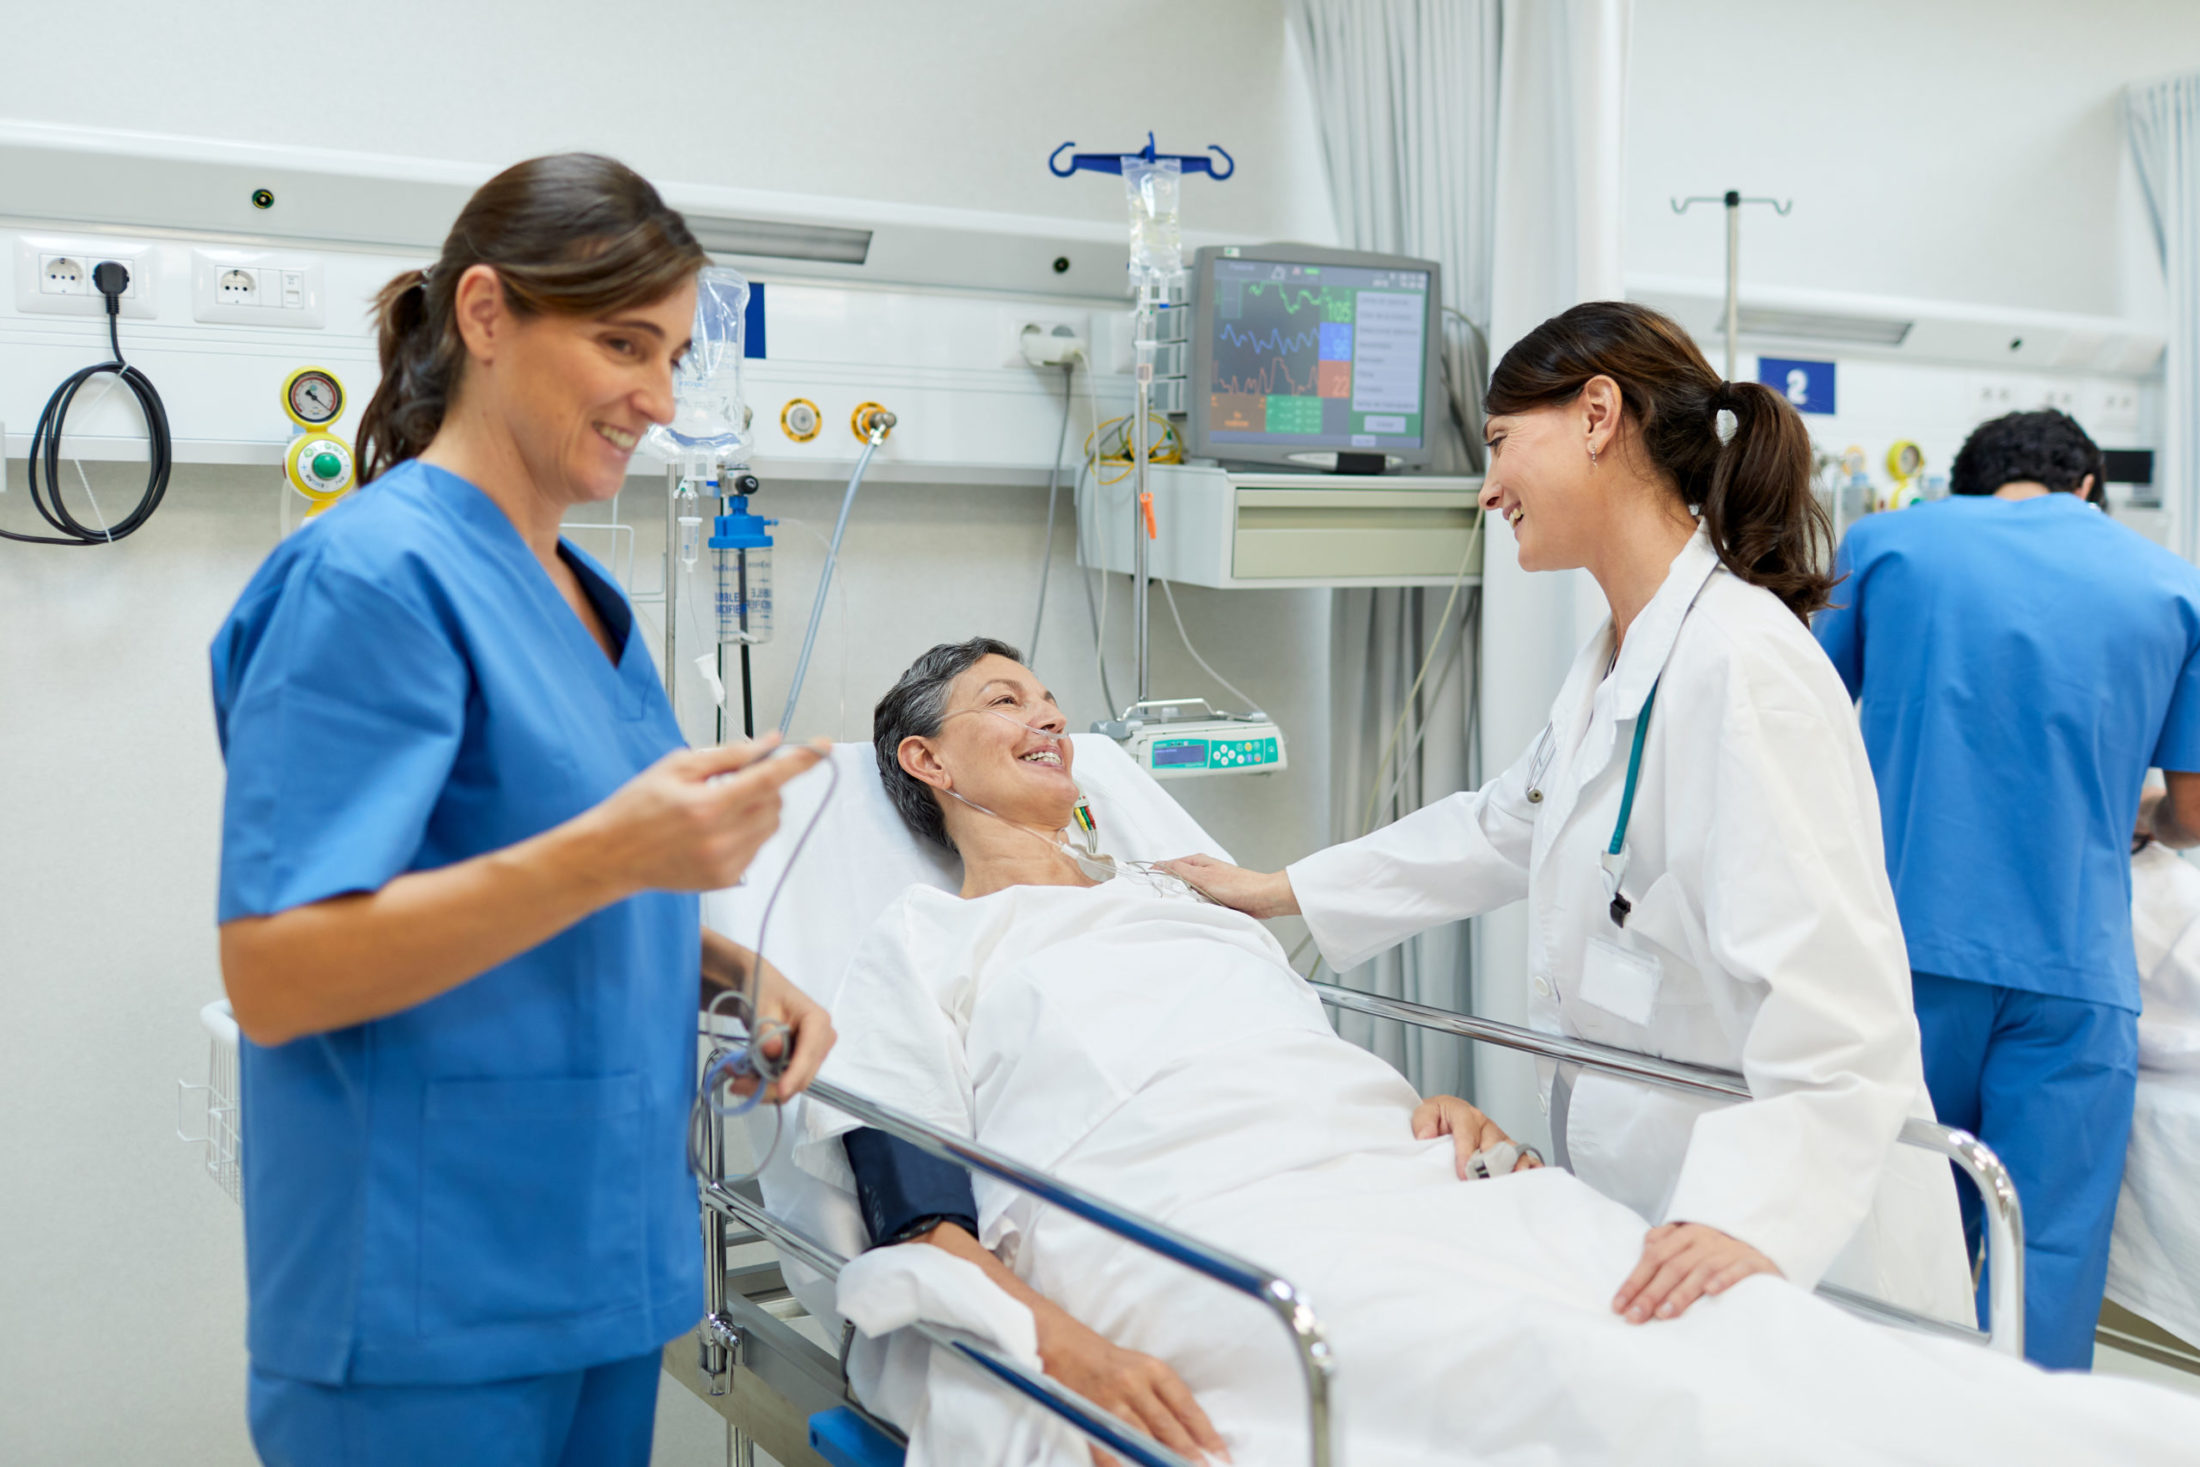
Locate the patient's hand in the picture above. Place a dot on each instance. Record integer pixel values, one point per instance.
(1681, 1262)
(1142, 1390)
(1470, 1130)
(1255, 893)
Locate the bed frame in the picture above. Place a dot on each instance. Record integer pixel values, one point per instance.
(779, 1390)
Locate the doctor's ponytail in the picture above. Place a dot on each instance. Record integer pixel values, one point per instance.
(571, 234)
(1749, 479)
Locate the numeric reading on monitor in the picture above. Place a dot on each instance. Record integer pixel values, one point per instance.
(1320, 356)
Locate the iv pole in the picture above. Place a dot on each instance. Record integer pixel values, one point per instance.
(1733, 201)
(1145, 332)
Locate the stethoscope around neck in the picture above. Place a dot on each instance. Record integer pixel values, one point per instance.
(1614, 857)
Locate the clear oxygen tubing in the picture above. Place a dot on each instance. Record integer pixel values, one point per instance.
(744, 1059)
(871, 440)
(1096, 865)
(1054, 480)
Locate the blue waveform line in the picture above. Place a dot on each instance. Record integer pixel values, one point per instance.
(1272, 340)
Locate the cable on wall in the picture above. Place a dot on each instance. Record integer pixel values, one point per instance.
(112, 280)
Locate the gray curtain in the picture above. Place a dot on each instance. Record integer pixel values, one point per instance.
(2162, 121)
(1406, 98)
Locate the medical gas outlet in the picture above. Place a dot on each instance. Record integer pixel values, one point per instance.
(319, 466)
(317, 463)
(869, 418)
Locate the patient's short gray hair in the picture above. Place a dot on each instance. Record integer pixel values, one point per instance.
(916, 707)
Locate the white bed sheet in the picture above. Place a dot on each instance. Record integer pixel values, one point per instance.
(1161, 1053)
(2154, 1257)
(859, 859)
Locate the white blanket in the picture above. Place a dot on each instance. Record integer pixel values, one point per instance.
(2165, 931)
(1162, 1053)
(2154, 1257)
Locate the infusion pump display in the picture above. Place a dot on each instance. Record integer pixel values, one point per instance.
(1316, 356)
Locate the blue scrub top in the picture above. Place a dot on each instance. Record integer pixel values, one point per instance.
(2019, 665)
(493, 1183)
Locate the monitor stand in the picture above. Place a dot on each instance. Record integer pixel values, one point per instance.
(1360, 463)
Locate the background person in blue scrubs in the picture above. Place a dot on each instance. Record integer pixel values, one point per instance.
(2021, 660)
(460, 849)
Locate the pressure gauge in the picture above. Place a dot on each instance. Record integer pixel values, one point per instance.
(313, 398)
(1905, 460)
(319, 466)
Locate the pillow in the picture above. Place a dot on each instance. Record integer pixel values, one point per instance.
(857, 860)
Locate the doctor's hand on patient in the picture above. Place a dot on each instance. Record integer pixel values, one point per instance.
(1255, 893)
(1682, 1262)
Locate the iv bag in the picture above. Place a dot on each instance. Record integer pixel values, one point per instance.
(1157, 240)
(710, 422)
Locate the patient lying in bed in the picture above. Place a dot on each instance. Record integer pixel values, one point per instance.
(1134, 1040)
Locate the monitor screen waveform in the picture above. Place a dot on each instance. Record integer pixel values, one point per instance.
(1321, 357)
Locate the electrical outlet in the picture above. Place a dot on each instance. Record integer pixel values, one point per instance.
(62, 275)
(53, 275)
(2111, 408)
(256, 288)
(1045, 341)
(1991, 397)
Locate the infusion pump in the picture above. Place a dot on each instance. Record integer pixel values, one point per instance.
(1169, 748)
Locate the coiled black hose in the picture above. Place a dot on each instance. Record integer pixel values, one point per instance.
(45, 454)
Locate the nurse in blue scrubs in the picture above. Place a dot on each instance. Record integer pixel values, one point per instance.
(2020, 660)
(461, 845)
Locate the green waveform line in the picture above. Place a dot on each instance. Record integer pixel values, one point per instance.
(1332, 308)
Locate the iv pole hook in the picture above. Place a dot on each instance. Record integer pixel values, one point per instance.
(1732, 200)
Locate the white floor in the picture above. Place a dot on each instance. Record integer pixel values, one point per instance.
(2108, 1361)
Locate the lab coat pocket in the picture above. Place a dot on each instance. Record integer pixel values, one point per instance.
(530, 1199)
(1619, 981)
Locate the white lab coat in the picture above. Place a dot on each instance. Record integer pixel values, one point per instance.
(1763, 937)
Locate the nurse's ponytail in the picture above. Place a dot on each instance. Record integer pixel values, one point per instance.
(1736, 452)
(571, 234)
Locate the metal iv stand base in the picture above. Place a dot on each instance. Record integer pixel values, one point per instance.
(1145, 709)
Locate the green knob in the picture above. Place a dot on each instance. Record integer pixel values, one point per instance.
(327, 466)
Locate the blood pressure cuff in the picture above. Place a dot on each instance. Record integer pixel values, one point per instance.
(904, 1191)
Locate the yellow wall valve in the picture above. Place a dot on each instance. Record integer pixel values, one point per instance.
(869, 416)
(319, 466)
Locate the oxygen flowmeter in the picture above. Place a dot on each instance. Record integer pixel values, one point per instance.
(318, 464)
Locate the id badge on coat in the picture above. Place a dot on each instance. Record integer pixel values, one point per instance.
(1619, 981)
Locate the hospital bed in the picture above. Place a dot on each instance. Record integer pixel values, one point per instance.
(2154, 1257)
(780, 1379)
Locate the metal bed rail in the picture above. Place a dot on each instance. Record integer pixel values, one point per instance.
(1277, 1294)
(2003, 1215)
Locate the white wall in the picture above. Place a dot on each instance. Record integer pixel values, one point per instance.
(1965, 150)
(121, 1318)
(957, 103)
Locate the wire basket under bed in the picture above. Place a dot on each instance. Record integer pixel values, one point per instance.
(220, 1133)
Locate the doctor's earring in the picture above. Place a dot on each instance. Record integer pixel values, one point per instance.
(1592, 455)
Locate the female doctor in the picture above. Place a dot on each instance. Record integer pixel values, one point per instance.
(460, 847)
(1696, 833)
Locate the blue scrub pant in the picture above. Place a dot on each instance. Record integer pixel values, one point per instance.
(2046, 1082)
(605, 1416)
